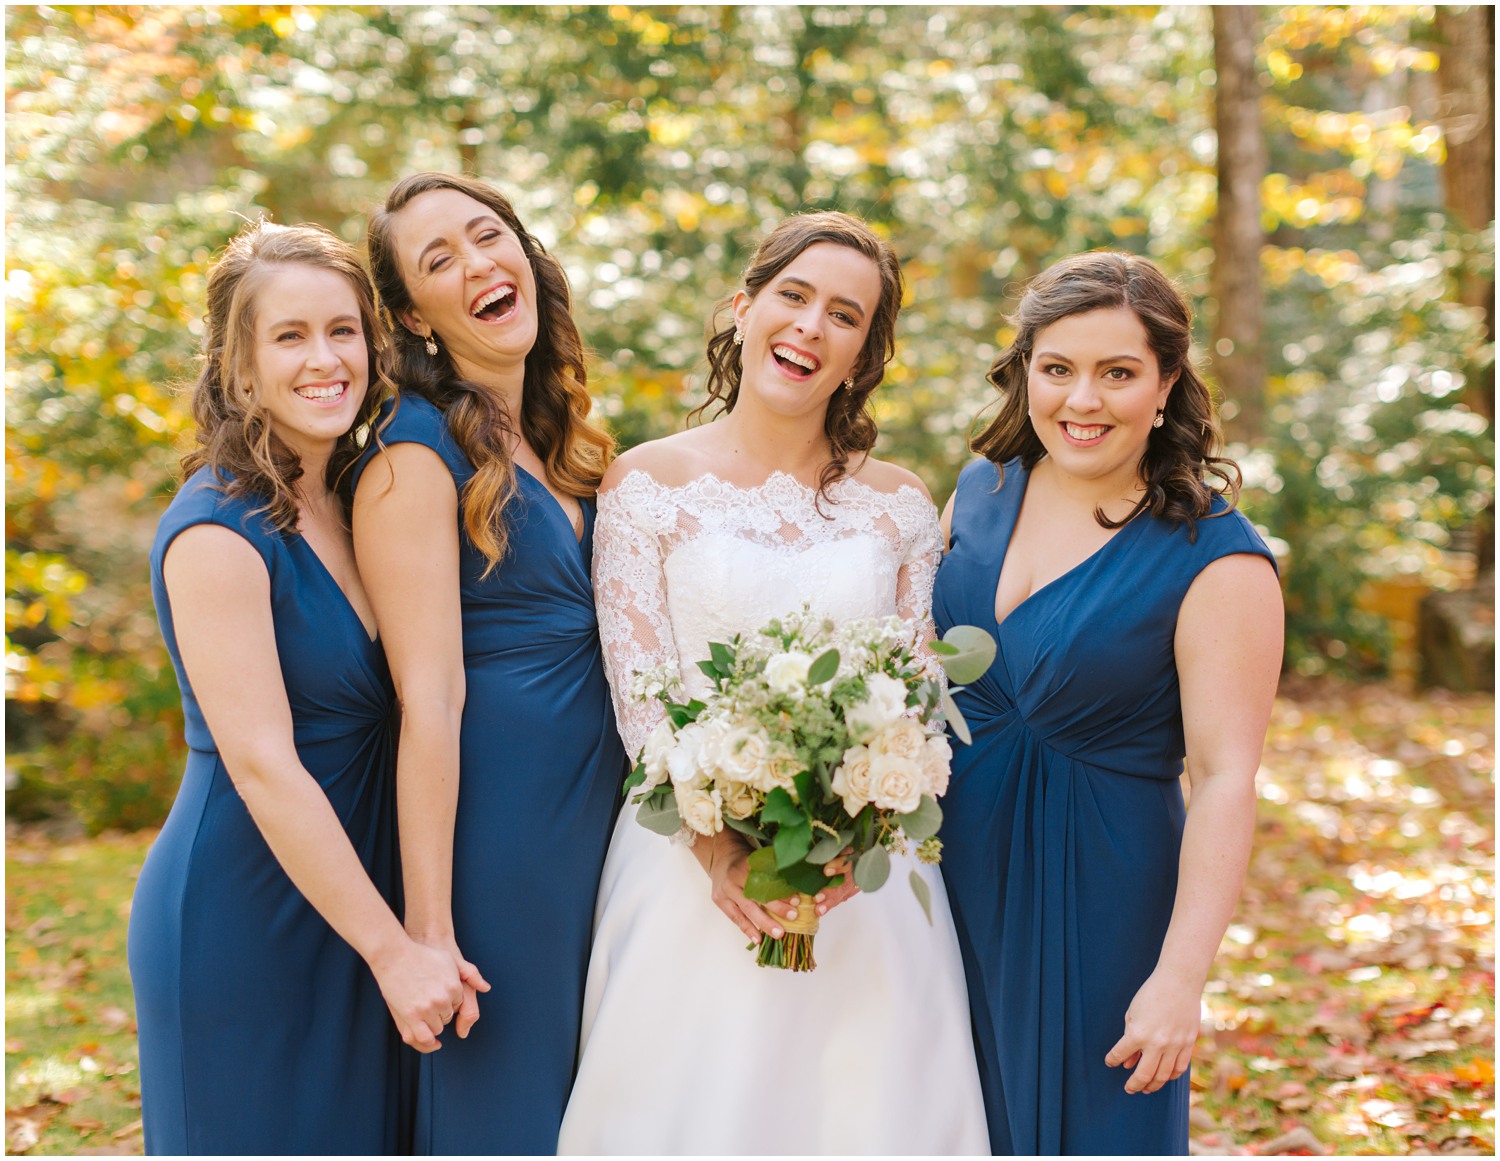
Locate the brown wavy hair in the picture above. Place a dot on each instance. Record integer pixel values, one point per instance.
(1182, 453)
(234, 434)
(555, 402)
(848, 424)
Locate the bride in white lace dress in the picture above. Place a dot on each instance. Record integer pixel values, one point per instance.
(688, 1047)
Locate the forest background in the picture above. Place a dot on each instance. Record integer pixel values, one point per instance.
(1319, 179)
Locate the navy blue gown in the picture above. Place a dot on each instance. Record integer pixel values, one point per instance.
(261, 1030)
(1063, 820)
(540, 771)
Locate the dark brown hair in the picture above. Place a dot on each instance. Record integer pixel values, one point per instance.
(555, 401)
(234, 435)
(1180, 453)
(848, 424)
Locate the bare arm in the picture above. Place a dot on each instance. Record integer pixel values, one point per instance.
(406, 544)
(1228, 646)
(220, 595)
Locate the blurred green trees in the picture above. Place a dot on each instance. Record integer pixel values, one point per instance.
(649, 147)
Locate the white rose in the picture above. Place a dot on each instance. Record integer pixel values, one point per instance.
(897, 783)
(780, 768)
(739, 799)
(851, 781)
(684, 763)
(742, 754)
(937, 762)
(885, 701)
(787, 672)
(711, 743)
(700, 809)
(656, 752)
(904, 738)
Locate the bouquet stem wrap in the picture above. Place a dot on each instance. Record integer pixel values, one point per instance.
(794, 950)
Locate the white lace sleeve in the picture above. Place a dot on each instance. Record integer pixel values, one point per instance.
(922, 550)
(630, 591)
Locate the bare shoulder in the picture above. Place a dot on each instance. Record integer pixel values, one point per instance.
(214, 559)
(671, 461)
(884, 476)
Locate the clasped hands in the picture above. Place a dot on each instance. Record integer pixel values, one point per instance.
(725, 857)
(426, 984)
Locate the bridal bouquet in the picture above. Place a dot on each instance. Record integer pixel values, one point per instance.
(820, 739)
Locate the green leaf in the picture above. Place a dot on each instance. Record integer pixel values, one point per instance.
(804, 784)
(923, 822)
(825, 849)
(956, 719)
(823, 668)
(635, 778)
(658, 813)
(792, 842)
(780, 808)
(807, 878)
(723, 657)
(746, 826)
(943, 648)
(681, 715)
(764, 883)
(712, 671)
(975, 653)
(873, 869)
(923, 892)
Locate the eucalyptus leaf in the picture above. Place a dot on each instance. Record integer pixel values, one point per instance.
(923, 892)
(923, 822)
(872, 869)
(956, 719)
(658, 814)
(825, 849)
(746, 827)
(976, 653)
(823, 668)
(943, 648)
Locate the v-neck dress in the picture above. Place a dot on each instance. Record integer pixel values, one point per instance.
(1063, 820)
(540, 772)
(261, 1030)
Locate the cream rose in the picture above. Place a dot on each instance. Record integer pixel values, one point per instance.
(738, 799)
(851, 781)
(937, 763)
(897, 783)
(656, 752)
(781, 767)
(700, 809)
(743, 754)
(787, 672)
(903, 738)
(885, 701)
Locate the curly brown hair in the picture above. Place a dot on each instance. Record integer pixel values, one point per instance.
(234, 434)
(848, 424)
(555, 402)
(1184, 450)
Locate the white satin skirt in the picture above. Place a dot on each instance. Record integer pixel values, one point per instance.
(689, 1047)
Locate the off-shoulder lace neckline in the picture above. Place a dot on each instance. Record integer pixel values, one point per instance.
(770, 482)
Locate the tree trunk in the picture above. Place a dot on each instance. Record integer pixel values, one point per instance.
(1239, 350)
(1466, 79)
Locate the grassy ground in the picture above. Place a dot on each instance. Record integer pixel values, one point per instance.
(1351, 1009)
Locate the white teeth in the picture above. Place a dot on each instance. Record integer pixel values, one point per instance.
(492, 297)
(792, 356)
(331, 392)
(1079, 432)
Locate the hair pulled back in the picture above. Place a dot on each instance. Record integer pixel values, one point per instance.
(1180, 454)
(555, 403)
(848, 425)
(234, 434)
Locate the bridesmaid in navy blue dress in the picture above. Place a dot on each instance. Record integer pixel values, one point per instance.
(262, 935)
(473, 525)
(1139, 622)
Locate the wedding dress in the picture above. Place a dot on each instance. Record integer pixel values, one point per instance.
(687, 1046)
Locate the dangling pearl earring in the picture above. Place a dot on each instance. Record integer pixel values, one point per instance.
(431, 345)
(1159, 420)
(848, 384)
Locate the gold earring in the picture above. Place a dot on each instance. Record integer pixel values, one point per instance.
(848, 384)
(1160, 419)
(431, 344)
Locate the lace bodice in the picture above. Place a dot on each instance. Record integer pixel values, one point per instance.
(678, 567)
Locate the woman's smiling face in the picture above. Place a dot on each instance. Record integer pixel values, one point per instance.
(469, 280)
(805, 329)
(1093, 386)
